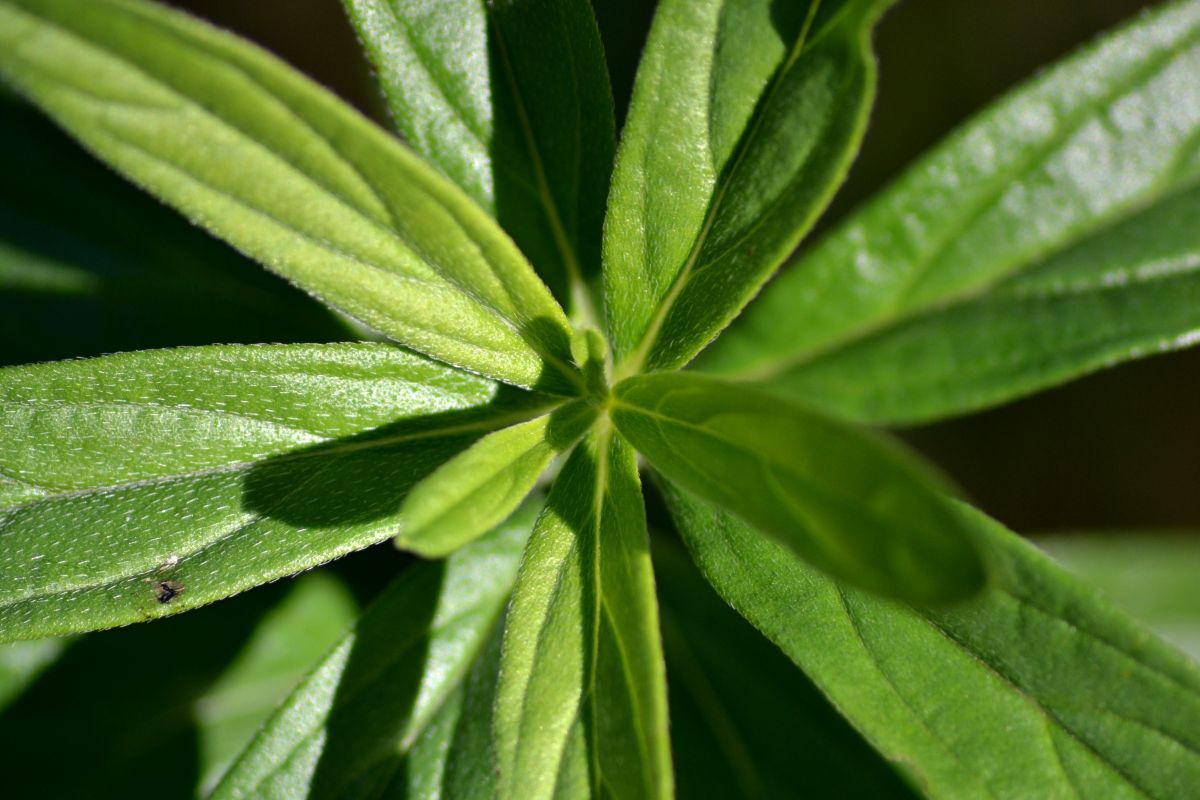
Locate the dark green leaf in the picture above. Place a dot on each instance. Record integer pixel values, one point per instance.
(510, 100)
(347, 730)
(138, 485)
(581, 709)
(744, 119)
(745, 722)
(264, 158)
(1053, 235)
(1038, 688)
(852, 503)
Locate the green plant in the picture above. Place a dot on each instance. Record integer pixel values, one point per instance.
(1053, 235)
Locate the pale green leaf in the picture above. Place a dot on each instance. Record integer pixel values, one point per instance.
(267, 160)
(1053, 235)
(852, 503)
(745, 722)
(346, 731)
(1150, 574)
(22, 662)
(581, 706)
(138, 485)
(743, 122)
(511, 101)
(91, 265)
(476, 490)
(1037, 688)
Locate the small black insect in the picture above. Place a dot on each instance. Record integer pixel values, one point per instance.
(166, 591)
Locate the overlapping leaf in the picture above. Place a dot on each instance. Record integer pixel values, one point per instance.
(581, 703)
(853, 504)
(392, 689)
(138, 485)
(1038, 688)
(1053, 235)
(265, 159)
(511, 101)
(743, 121)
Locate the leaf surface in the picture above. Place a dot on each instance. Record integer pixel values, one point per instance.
(1037, 688)
(476, 490)
(511, 101)
(137, 485)
(743, 122)
(1052, 235)
(853, 504)
(90, 265)
(581, 706)
(262, 157)
(348, 729)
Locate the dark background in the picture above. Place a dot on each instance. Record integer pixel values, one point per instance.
(1114, 450)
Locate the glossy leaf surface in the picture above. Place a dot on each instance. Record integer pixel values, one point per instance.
(743, 121)
(745, 722)
(511, 101)
(137, 485)
(581, 705)
(853, 504)
(347, 730)
(90, 265)
(477, 489)
(1037, 688)
(265, 159)
(1052, 235)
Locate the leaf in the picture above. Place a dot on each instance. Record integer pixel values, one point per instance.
(744, 119)
(347, 729)
(90, 265)
(581, 707)
(22, 662)
(290, 639)
(477, 489)
(851, 503)
(1150, 574)
(1053, 235)
(138, 485)
(744, 722)
(1037, 688)
(511, 101)
(262, 157)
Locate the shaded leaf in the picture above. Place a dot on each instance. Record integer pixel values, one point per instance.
(1053, 235)
(22, 662)
(477, 489)
(264, 158)
(852, 503)
(346, 731)
(744, 721)
(138, 485)
(743, 122)
(581, 705)
(1037, 688)
(511, 101)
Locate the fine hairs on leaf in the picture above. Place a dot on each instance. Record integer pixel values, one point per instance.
(638, 541)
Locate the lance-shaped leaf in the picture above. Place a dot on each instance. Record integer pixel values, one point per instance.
(138, 485)
(1150, 574)
(476, 490)
(743, 121)
(744, 721)
(581, 708)
(349, 728)
(1053, 235)
(852, 503)
(511, 101)
(90, 265)
(265, 159)
(1037, 688)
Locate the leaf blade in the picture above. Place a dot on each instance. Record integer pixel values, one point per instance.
(856, 506)
(264, 158)
(1021, 691)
